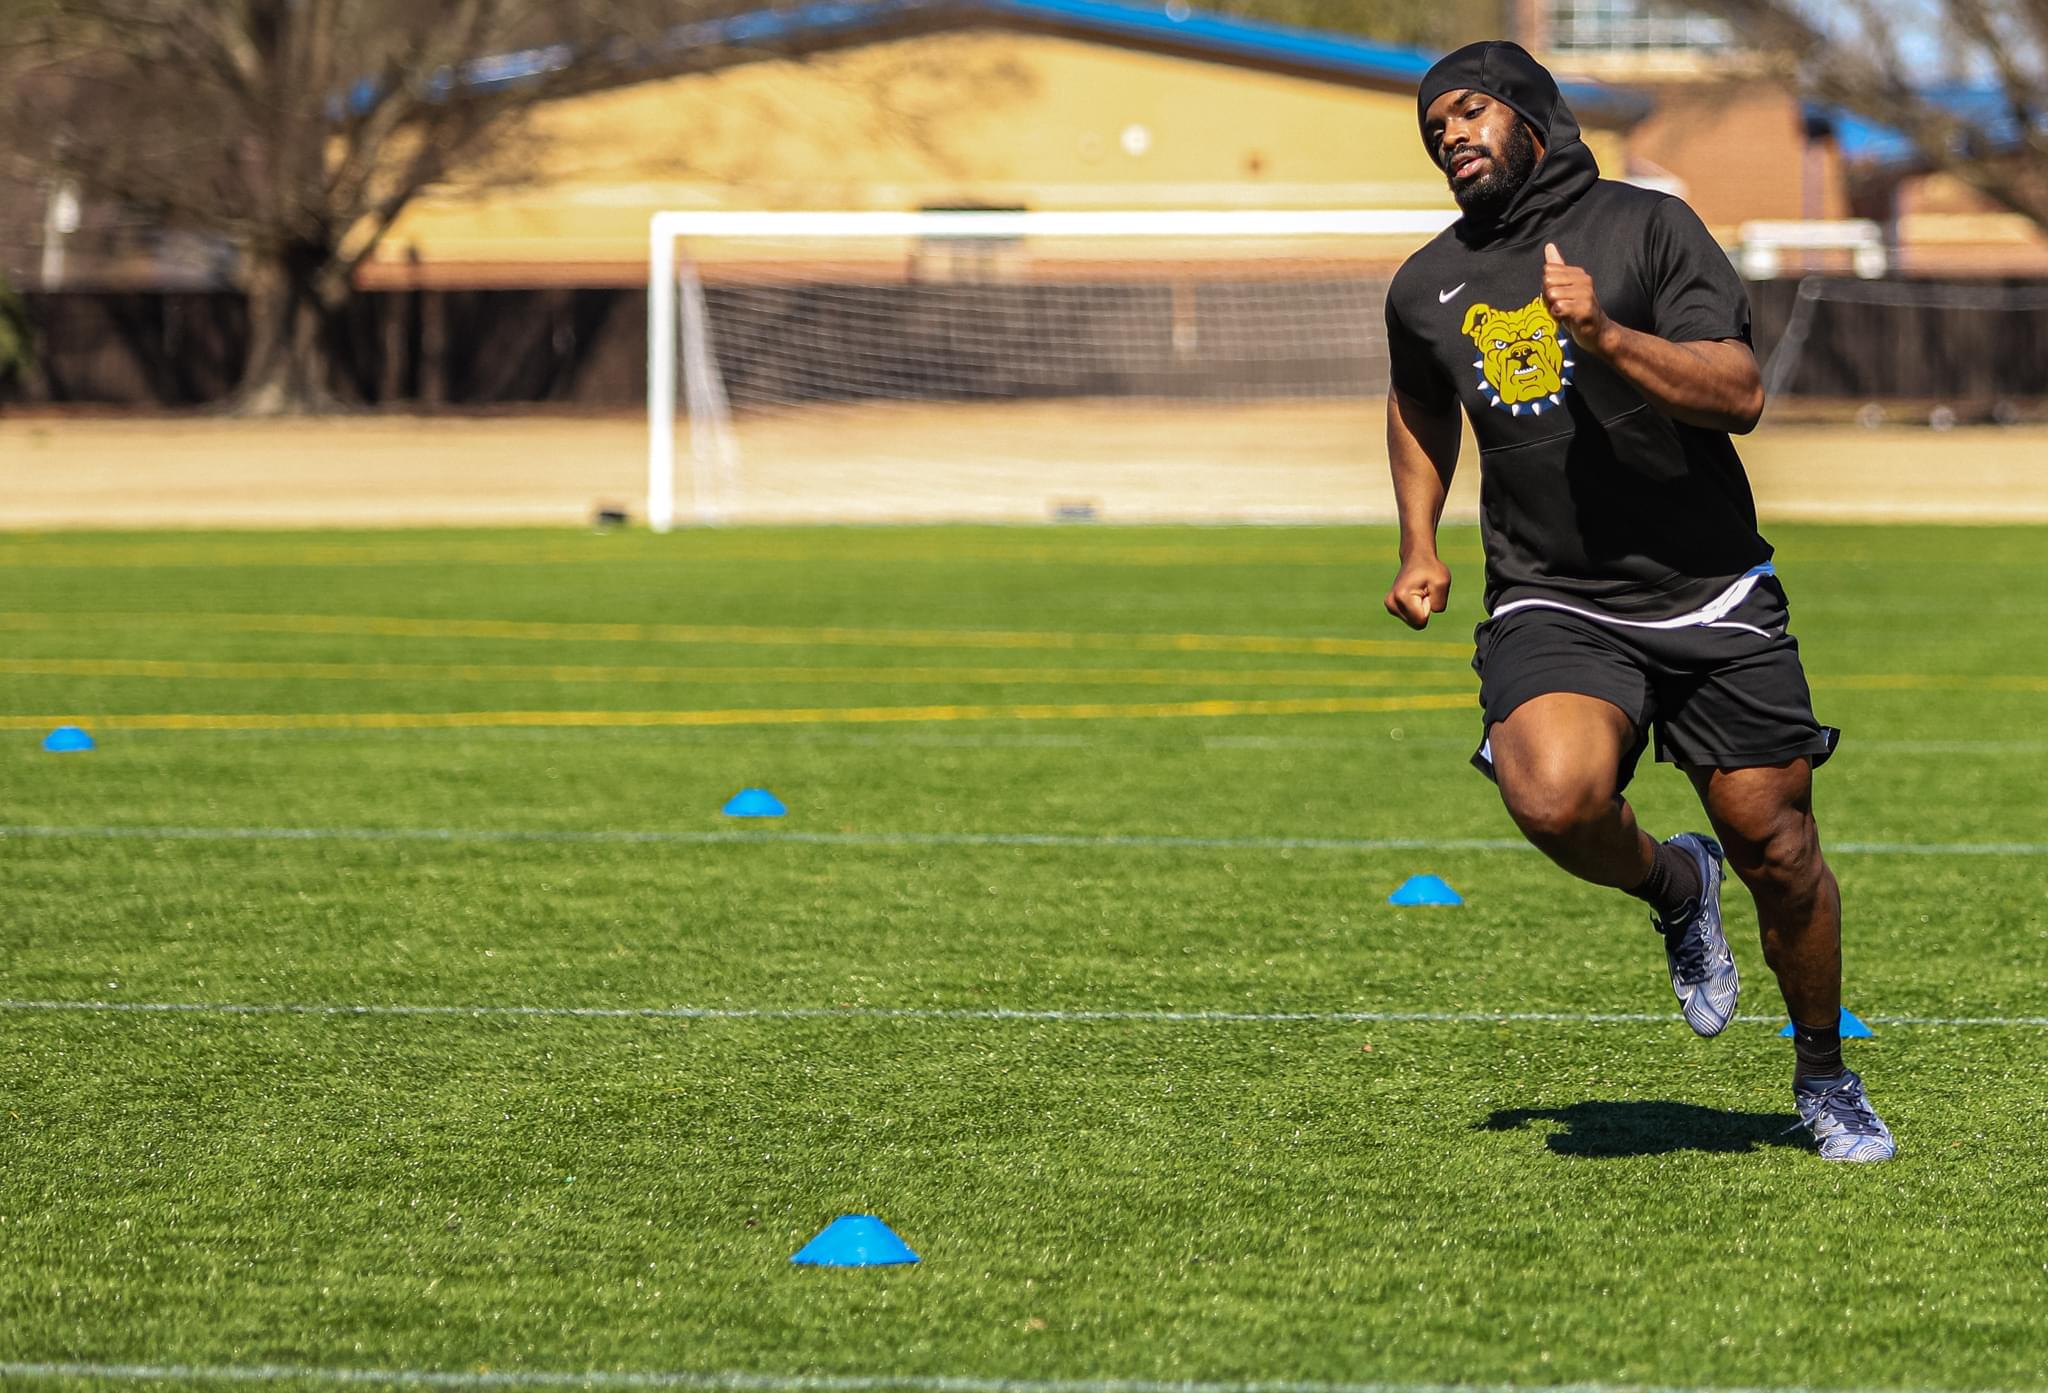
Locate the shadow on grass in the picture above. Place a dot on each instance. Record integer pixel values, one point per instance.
(1650, 1128)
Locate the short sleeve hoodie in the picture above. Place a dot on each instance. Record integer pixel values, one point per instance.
(1588, 494)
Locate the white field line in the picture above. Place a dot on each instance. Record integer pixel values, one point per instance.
(735, 1381)
(1111, 840)
(1103, 841)
(572, 837)
(1052, 1016)
(998, 740)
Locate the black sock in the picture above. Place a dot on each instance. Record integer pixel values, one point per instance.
(1672, 887)
(1817, 1051)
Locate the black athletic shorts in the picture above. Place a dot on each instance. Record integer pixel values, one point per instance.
(1725, 693)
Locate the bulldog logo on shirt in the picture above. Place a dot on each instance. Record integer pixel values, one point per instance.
(1523, 363)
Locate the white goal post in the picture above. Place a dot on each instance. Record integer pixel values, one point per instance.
(690, 356)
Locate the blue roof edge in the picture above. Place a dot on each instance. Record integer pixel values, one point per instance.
(1871, 143)
(1183, 28)
(1231, 36)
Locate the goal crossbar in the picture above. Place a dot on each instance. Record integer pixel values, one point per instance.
(1362, 222)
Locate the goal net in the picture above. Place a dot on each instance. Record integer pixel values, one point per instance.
(1914, 351)
(1005, 366)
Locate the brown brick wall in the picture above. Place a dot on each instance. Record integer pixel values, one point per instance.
(1741, 148)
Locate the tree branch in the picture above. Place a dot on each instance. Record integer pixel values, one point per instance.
(1867, 70)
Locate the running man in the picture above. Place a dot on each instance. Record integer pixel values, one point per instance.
(1598, 340)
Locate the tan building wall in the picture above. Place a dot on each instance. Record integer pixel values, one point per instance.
(1948, 228)
(1739, 148)
(985, 117)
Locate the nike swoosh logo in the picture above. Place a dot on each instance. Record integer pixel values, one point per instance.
(1443, 297)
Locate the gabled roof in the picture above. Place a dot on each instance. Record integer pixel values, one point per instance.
(1173, 27)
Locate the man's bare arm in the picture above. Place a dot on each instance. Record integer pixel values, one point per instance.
(1712, 383)
(1422, 451)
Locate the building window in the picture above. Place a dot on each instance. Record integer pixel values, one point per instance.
(1609, 26)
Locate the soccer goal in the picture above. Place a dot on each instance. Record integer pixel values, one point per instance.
(1898, 351)
(1003, 366)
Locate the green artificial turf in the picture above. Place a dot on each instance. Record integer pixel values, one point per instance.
(1099, 1003)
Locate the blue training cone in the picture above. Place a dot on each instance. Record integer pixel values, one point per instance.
(854, 1240)
(64, 739)
(1852, 1029)
(753, 802)
(1425, 889)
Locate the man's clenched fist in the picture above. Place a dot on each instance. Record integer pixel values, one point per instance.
(1421, 589)
(1568, 295)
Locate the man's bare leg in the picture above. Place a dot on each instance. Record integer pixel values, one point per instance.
(1764, 818)
(1557, 759)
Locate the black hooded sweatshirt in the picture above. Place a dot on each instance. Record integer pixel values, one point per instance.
(1588, 494)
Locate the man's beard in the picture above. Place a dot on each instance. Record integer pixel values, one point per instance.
(1488, 196)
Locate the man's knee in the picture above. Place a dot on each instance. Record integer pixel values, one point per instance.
(1558, 758)
(1778, 854)
(1764, 818)
(1555, 803)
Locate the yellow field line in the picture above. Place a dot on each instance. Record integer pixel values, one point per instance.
(296, 554)
(844, 715)
(387, 626)
(1924, 682)
(198, 669)
(195, 669)
(292, 553)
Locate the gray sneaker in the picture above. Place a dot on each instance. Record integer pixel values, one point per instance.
(1841, 1119)
(1703, 973)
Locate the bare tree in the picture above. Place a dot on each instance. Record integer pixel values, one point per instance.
(299, 130)
(1884, 61)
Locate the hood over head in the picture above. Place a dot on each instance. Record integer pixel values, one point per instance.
(1506, 72)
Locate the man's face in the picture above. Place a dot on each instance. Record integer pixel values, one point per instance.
(1485, 149)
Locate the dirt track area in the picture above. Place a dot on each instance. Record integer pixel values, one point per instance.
(1267, 462)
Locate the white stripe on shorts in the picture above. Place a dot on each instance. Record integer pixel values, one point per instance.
(1711, 615)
